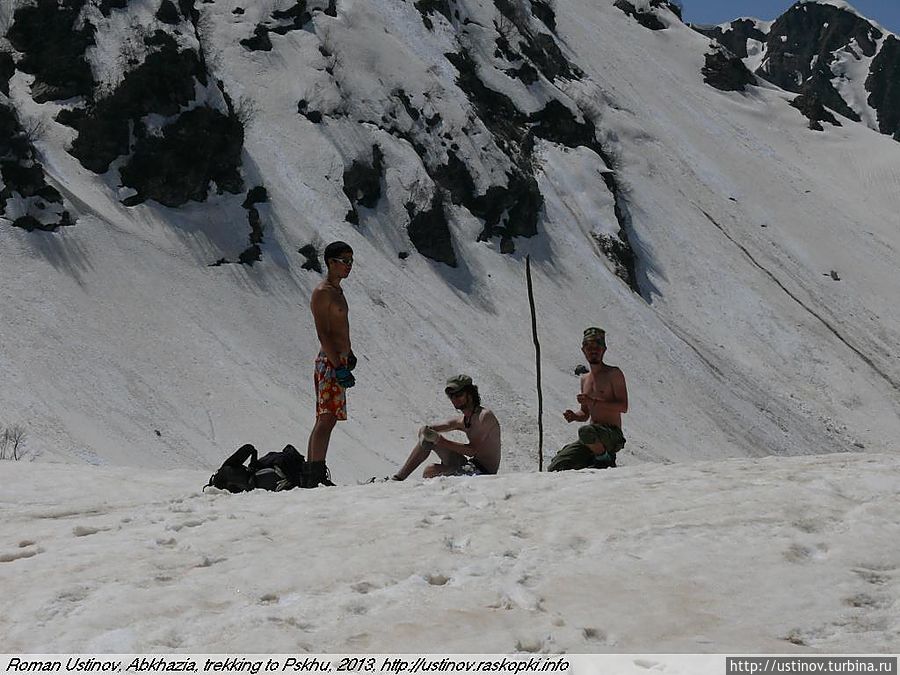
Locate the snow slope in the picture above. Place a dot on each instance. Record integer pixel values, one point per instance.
(121, 346)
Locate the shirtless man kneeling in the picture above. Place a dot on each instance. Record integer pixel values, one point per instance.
(603, 399)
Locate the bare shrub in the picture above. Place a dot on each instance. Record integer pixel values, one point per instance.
(12, 442)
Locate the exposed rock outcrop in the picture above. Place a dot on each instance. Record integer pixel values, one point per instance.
(25, 197)
(806, 51)
(53, 45)
(725, 71)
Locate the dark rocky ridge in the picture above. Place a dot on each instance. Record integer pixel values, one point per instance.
(200, 146)
(178, 162)
(725, 71)
(53, 49)
(801, 50)
(21, 174)
(645, 18)
(362, 183)
(514, 208)
(815, 111)
(7, 70)
(282, 22)
(192, 146)
(162, 84)
(883, 85)
(735, 37)
(429, 232)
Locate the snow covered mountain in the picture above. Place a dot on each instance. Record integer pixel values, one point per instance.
(172, 172)
(829, 54)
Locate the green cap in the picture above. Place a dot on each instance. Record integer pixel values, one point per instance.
(590, 434)
(594, 334)
(457, 383)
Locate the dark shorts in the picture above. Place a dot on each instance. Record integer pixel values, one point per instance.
(473, 467)
(612, 438)
(579, 456)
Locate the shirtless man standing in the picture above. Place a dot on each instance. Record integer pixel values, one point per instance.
(603, 399)
(334, 362)
(481, 455)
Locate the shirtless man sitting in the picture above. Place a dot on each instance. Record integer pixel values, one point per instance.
(603, 399)
(481, 455)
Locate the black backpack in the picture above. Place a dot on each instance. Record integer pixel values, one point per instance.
(273, 471)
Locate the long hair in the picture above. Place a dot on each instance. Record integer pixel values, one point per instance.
(476, 397)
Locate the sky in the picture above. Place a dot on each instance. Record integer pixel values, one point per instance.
(885, 12)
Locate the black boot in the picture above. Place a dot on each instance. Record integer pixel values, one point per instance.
(317, 474)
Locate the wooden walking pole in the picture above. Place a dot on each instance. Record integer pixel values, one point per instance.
(537, 358)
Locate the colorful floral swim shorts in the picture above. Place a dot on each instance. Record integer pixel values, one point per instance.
(330, 396)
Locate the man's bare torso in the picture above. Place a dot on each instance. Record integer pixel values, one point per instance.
(599, 387)
(331, 315)
(484, 437)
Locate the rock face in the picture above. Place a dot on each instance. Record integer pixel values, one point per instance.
(201, 146)
(147, 107)
(362, 183)
(883, 84)
(429, 232)
(26, 200)
(170, 162)
(53, 44)
(644, 17)
(735, 36)
(725, 71)
(813, 49)
(282, 22)
(815, 111)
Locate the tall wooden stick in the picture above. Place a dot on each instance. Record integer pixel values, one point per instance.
(537, 358)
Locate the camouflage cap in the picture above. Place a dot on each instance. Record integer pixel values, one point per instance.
(457, 383)
(594, 334)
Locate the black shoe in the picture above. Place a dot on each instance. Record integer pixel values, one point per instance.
(317, 474)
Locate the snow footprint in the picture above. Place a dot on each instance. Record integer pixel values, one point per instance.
(86, 531)
(801, 553)
(26, 549)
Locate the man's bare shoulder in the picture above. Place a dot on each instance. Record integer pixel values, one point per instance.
(323, 287)
(324, 293)
(488, 416)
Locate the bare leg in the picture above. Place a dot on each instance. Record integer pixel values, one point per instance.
(317, 447)
(449, 466)
(415, 459)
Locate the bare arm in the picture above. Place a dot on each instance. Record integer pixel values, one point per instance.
(583, 414)
(454, 424)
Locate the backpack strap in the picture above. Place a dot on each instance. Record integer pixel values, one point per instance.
(241, 455)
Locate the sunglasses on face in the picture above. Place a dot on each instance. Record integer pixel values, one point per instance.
(345, 261)
(593, 344)
(454, 394)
